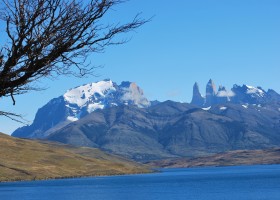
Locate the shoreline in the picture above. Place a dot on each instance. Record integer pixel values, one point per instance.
(74, 177)
(153, 170)
(29, 160)
(230, 158)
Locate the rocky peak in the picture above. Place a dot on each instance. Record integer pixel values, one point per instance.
(273, 96)
(132, 94)
(223, 95)
(244, 94)
(197, 98)
(249, 95)
(222, 88)
(210, 93)
(210, 88)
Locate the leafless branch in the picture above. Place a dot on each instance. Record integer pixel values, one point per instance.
(14, 117)
(53, 37)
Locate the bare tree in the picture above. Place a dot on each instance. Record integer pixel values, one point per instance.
(53, 37)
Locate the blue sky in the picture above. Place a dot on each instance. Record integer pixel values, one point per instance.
(187, 40)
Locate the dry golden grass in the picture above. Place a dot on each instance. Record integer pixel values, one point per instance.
(22, 159)
(238, 157)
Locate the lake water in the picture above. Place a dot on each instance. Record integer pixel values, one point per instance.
(222, 183)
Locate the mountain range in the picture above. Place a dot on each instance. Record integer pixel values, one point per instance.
(79, 102)
(120, 120)
(244, 94)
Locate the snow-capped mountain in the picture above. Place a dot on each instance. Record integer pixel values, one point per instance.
(90, 97)
(244, 94)
(244, 117)
(79, 102)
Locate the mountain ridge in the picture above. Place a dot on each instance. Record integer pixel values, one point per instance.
(245, 117)
(172, 129)
(79, 102)
(244, 94)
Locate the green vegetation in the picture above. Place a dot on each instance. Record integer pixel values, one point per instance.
(22, 159)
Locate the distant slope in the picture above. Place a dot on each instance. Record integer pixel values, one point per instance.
(124, 130)
(170, 129)
(239, 157)
(31, 160)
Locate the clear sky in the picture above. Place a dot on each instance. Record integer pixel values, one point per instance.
(230, 41)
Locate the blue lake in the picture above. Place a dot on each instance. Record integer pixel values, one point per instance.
(222, 183)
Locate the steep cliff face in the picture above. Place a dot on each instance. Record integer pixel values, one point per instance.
(197, 98)
(273, 96)
(210, 93)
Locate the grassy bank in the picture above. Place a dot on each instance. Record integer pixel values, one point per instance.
(22, 159)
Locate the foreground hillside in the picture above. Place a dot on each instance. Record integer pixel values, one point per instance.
(31, 160)
(239, 157)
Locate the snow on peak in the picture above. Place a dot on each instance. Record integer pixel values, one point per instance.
(253, 90)
(72, 119)
(208, 108)
(82, 94)
(94, 106)
(135, 94)
(87, 98)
